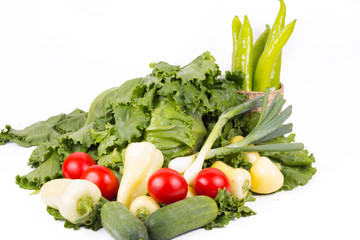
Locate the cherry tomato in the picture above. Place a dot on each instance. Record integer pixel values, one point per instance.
(104, 178)
(167, 186)
(209, 180)
(75, 164)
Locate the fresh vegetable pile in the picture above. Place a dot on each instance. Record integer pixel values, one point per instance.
(172, 151)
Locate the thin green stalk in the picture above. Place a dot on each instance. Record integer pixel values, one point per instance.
(268, 127)
(280, 131)
(277, 147)
(275, 110)
(264, 107)
(272, 105)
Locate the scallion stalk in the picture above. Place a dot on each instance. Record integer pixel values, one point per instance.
(269, 126)
(196, 166)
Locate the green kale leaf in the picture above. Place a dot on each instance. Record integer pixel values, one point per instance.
(46, 131)
(230, 207)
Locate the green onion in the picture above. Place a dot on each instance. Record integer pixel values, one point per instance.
(196, 166)
(269, 125)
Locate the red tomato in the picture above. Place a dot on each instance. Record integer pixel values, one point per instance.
(167, 186)
(75, 164)
(209, 180)
(104, 178)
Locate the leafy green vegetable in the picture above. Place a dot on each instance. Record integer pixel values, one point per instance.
(172, 107)
(229, 208)
(50, 169)
(45, 131)
(173, 131)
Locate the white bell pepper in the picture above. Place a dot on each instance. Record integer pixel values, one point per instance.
(141, 160)
(73, 198)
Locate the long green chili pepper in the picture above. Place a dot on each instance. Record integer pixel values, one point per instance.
(268, 57)
(243, 60)
(259, 46)
(236, 26)
(279, 22)
(276, 28)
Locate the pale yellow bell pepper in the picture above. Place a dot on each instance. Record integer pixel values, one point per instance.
(141, 161)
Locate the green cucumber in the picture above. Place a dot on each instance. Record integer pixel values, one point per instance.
(180, 217)
(120, 223)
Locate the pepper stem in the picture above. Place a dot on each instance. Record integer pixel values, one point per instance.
(84, 207)
(142, 214)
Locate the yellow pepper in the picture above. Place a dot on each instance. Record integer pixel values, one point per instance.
(141, 160)
(266, 177)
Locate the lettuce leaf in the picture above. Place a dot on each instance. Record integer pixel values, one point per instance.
(173, 131)
(296, 176)
(50, 169)
(45, 131)
(230, 207)
(172, 107)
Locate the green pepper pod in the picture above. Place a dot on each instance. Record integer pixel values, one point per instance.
(244, 54)
(276, 28)
(236, 26)
(268, 57)
(279, 22)
(259, 46)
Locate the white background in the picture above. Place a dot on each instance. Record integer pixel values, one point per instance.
(56, 56)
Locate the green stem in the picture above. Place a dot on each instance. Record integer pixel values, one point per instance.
(264, 107)
(142, 214)
(280, 131)
(276, 147)
(85, 206)
(233, 148)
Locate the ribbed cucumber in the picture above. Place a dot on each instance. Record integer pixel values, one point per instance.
(120, 223)
(180, 217)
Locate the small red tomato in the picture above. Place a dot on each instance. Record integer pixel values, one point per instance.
(167, 186)
(104, 178)
(209, 180)
(75, 164)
